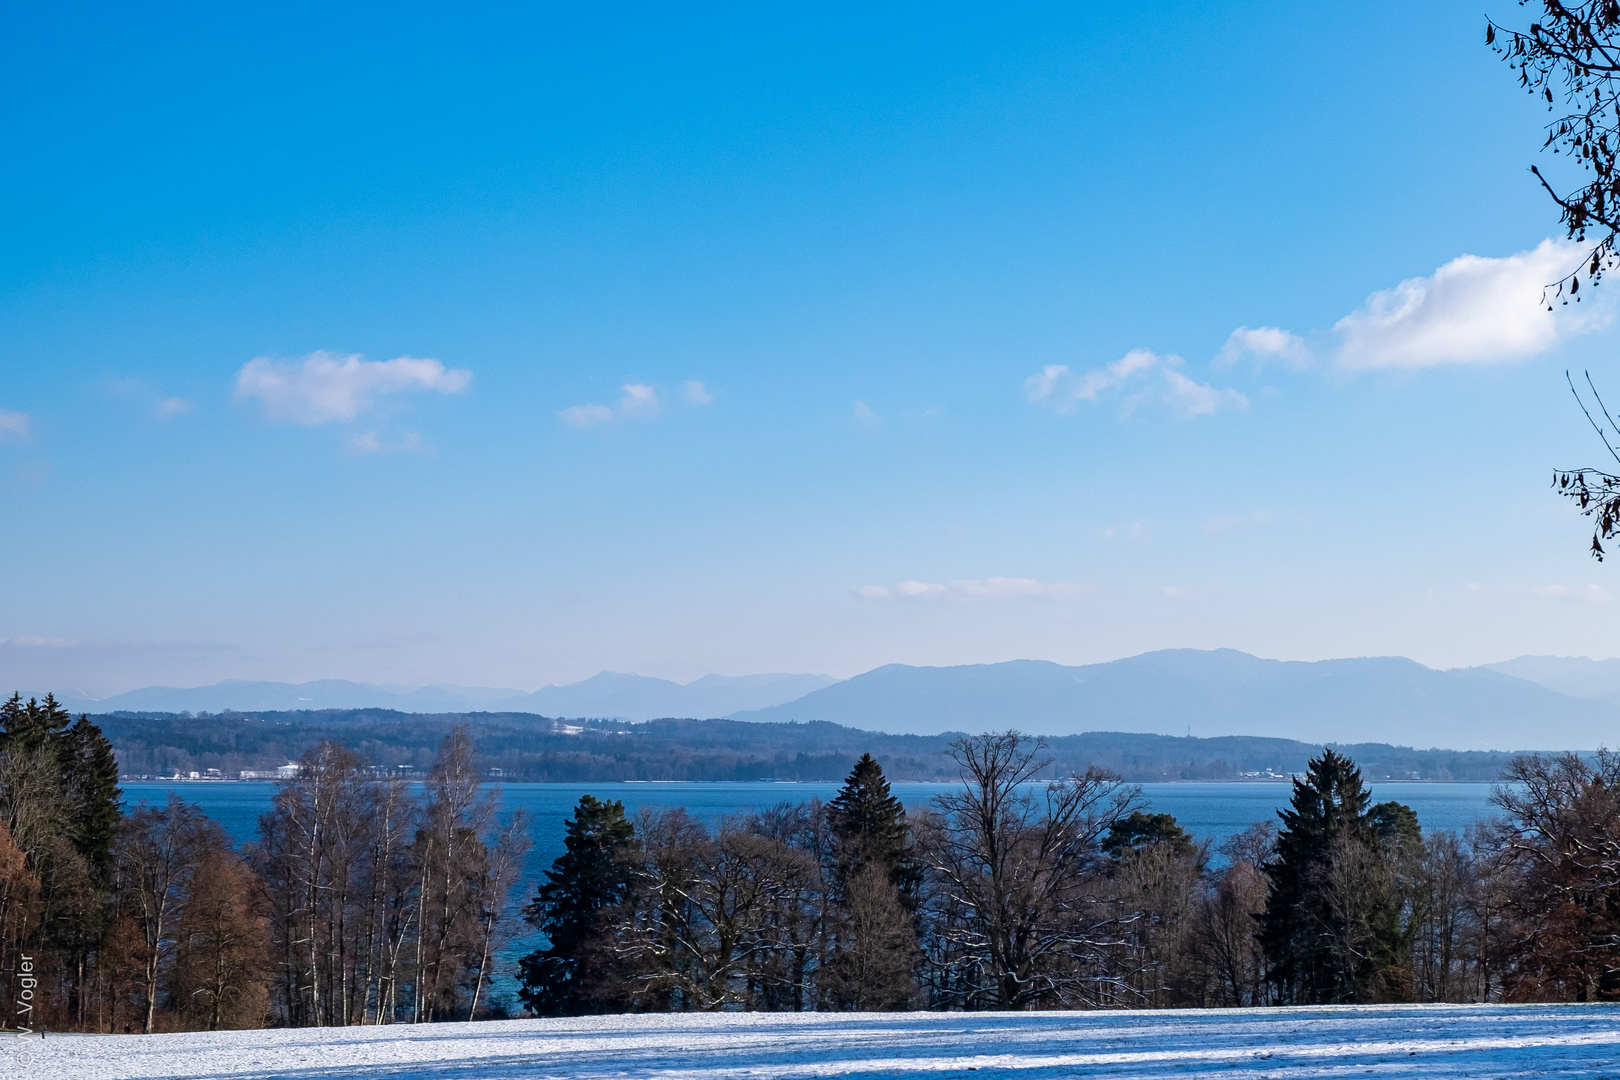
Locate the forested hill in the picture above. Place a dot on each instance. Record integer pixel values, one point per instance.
(534, 748)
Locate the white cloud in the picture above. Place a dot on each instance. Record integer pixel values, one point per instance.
(1153, 377)
(369, 442)
(324, 387)
(1134, 531)
(980, 589)
(696, 393)
(1191, 399)
(161, 408)
(636, 399)
(1264, 343)
(1471, 310)
(586, 415)
(865, 417)
(15, 425)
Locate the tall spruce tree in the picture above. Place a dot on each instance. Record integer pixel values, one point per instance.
(1304, 930)
(576, 974)
(86, 768)
(31, 724)
(89, 770)
(869, 826)
(69, 767)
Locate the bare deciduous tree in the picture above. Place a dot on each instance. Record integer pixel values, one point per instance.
(222, 952)
(1015, 864)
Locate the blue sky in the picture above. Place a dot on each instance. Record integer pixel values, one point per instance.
(413, 345)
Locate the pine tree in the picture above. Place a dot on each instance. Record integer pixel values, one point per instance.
(1140, 831)
(68, 772)
(1331, 930)
(89, 771)
(869, 828)
(31, 724)
(574, 975)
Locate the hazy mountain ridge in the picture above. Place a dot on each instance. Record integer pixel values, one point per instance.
(608, 695)
(1218, 692)
(1527, 702)
(1577, 676)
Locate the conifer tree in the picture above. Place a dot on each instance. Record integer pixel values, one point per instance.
(869, 828)
(29, 725)
(64, 776)
(89, 770)
(1329, 836)
(1140, 831)
(575, 974)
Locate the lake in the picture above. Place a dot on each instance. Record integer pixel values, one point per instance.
(1213, 810)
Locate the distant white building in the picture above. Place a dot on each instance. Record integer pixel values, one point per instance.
(288, 771)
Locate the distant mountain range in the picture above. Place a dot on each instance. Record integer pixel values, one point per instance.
(1220, 692)
(608, 695)
(1573, 675)
(1532, 702)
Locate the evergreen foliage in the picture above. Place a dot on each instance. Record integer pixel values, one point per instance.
(869, 828)
(573, 975)
(1331, 932)
(51, 761)
(1140, 831)
(90, 770)
(29, 725)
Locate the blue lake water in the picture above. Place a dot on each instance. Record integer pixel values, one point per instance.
(1214, 810)
(1207, 810)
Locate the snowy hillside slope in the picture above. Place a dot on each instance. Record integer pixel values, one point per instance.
(1435, 1041)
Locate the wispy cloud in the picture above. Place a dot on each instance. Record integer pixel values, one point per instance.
(1137, 377)
(586, 415)
(638, 399)
(696, 393)
(1581, 594)
(1135, 531)
(980, 589)
(15, 426)
(370, 442)
(170, 407)
(865, 417)
(1264, 344)
(160, 407)
(1472, 310)
(324, 387)
(635, 399)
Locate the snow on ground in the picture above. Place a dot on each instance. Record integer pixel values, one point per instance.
(1434, 1041)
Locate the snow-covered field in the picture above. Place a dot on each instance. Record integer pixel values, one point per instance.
(1384, 1041)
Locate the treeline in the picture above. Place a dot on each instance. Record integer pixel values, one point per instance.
(368, 899)
(365, 899)
(534, 748)
(1014, 894)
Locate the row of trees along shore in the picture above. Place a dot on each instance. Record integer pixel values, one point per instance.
(367, 900)
(364, 900)
(1013, 893)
